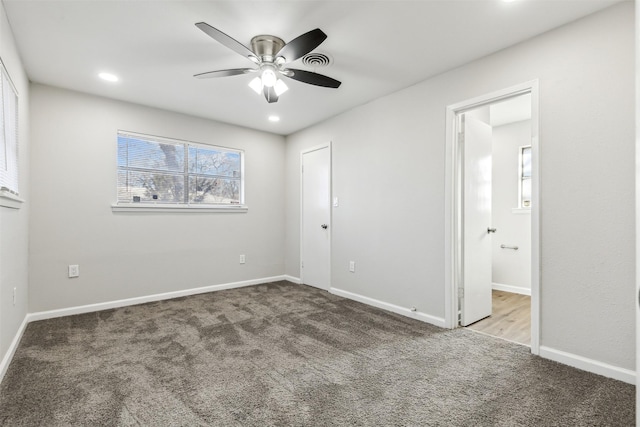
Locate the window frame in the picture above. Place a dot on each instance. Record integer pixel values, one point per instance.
(10, 197)
(522, 178)
(151, 206)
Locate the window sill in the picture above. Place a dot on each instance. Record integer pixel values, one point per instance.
(10, 200)
(147, 207)
(521, 211)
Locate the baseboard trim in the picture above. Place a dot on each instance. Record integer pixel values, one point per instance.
(588, 365)
(512, 289)
(8, 356)
(89, 308)
(424, 317)
(292, 279)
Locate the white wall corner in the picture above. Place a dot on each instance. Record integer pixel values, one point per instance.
(424, 317)
(8, 356)
(292, 279)
(589, 365)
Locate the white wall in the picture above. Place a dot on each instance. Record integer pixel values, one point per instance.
(389, 172)
(14, 222)
(637, 210)
(125, 255)
(510, 267)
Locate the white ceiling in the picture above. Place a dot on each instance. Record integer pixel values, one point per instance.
(510, 110)
(377, 47)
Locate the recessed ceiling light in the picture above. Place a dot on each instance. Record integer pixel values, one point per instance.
(274, 118)
(108, 77)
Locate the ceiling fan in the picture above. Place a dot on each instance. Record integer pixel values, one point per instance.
(271, 54)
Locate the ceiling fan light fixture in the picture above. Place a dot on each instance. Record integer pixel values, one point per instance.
(271, 54)
(256, 85)
(280, 87)
(269, 77)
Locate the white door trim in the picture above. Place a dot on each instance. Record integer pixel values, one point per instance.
(452, 213)
(302, 153)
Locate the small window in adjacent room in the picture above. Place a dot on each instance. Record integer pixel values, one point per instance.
(8, 139)
(525, 177)
(155, 171)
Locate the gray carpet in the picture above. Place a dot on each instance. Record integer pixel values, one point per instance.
(289, 355)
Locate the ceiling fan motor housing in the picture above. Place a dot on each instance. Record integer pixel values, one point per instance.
(266, 47)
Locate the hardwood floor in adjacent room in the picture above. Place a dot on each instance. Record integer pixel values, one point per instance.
(510, 318)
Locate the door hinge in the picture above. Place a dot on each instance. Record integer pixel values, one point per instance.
(461, 293)
(302, 168)
(302, 264)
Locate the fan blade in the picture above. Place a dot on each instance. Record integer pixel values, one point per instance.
(301, 45)
(270, 95)
(313, 78)
(224, 73)
(228, 41)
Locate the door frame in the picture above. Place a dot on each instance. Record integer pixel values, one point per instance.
(327, 145)
(453, 210)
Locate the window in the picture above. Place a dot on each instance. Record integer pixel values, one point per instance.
(161, 171)
(525, 177)
(8, 136)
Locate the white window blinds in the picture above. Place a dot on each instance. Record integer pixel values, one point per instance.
(8, 134)
(156, 170)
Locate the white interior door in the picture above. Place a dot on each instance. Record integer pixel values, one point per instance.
(476, 219)
(315, 233)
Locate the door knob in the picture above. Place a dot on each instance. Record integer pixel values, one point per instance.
(491, 230)
(324, 226)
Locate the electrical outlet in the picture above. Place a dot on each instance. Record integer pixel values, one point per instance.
(352, 266)
(242, 259)
(14, 296)
(74, 270)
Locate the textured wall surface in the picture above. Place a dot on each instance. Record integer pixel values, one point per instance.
(389, 172)
(14, 234)
(125, 255)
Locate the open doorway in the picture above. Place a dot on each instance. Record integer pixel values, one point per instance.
(508, 128)
(494, 215)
